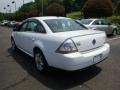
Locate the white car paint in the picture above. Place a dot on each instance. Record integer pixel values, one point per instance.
(87, 54)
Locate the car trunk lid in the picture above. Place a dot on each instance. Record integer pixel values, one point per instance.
(89, 41)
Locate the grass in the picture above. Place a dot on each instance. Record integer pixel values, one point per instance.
(75, 15)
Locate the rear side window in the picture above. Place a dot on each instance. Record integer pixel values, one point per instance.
(104, 22)
(39, 28)
(97, 22)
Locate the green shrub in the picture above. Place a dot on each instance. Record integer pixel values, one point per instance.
(55, 9)
(75, 15)
(117, 9)
(115, 20)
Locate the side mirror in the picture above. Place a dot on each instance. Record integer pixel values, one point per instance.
(16, 29)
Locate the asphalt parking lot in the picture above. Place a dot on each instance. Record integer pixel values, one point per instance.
(17, 71)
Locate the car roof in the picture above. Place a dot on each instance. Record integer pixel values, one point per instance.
(93, 19)
(48, 17)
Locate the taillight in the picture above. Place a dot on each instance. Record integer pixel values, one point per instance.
(68, 46)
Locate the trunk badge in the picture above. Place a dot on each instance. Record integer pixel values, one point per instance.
(94, 42)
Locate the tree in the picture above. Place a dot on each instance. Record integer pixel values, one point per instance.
(39, 5)
(55, 9)
(68, 5)
(117, 9)
(1, 16)
(80, 3)
(98, 8)
(26, 11)
(115, 1)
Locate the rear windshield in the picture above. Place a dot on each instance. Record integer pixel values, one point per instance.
(63, 25)
(86, 21)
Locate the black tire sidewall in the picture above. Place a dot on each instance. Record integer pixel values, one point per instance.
(45, 65)
(15, 47)
(114, 33)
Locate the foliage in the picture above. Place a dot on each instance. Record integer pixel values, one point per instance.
(75, 15)
(115, 1)
(55, 1)
(92, 8)
(39, 6)
(117, 10)
(1, 17)
(98, 8)
(115, 20)
(55, 9)
(35, 8)
(80, 3)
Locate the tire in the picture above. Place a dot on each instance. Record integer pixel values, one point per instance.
(13, 45)
(40, 61)
(114, 33)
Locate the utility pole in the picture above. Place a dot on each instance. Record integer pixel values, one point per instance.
(42, 7)
(23, 10)
(13, 2)
(5, 15)
(9, 11)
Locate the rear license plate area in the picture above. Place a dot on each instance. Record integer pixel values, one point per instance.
(97, 58)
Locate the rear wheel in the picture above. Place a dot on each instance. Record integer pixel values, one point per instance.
(114, 33)
(40, 61)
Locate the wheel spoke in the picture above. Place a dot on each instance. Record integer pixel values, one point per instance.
(39, 61)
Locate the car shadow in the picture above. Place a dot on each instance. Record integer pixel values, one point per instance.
(56, 79)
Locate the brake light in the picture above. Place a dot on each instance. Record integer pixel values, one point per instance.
(66, 47)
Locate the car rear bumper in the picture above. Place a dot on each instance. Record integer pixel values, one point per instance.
(76, 61)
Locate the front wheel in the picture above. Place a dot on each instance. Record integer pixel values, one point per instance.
(40, 61)
(13, 45)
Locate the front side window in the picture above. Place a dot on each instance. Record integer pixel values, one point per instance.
(23, 27)
(100, 22)
(40, 29)
(63, 25)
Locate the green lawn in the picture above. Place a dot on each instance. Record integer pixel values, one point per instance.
(74, 15)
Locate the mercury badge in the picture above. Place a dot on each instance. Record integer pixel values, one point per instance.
(94, 42)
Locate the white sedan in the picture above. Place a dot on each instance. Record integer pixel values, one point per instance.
(60, 42)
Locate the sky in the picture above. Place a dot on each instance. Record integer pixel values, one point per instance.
(4, 3)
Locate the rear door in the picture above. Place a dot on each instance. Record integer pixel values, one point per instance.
(101, 25)
(34, 32)
(27, 38)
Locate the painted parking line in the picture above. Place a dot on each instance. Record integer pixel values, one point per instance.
(114, 38)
